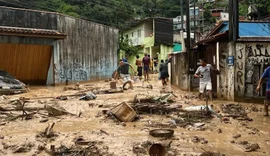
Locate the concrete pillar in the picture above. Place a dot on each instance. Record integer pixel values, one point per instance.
(217, 63)
(231, 73)
(150, 53)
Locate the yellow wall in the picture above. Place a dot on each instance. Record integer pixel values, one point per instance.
(164, 51)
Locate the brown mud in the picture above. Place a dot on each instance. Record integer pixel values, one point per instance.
(86, 130)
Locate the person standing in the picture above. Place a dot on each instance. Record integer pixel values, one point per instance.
(139, 66)
(123, 69)
(125, 59)
(266, 74)
(163, 71)
(146, 63)
(155, 65)
(204, 73)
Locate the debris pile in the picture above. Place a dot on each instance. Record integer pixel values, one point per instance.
(235, 111)
(155, 104)
(248, 147)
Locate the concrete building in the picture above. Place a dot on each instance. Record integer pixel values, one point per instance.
(154, 36)
(39, 47)
(242, 67)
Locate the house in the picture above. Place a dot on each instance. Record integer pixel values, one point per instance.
(240, 67)
(39, 47)
(154, 36)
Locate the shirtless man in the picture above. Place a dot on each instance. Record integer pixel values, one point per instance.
(146, 65)
(139, 66)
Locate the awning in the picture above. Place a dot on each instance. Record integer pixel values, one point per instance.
(223, 35)
(31, 32)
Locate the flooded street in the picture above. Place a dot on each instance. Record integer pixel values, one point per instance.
(87, 120)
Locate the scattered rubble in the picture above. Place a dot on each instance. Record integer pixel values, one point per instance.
(55, 110)
(237, 136)
(208, 153)
(235, 111)
(197, 139)
(91, 149)
(20, 148)
(248, 147)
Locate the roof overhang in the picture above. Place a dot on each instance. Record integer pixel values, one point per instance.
(31, 32)
(254, 39)
(214, 38)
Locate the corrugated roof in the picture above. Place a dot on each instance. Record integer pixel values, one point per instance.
(31, 32)
(250, 29)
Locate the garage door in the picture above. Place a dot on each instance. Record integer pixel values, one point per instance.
(28, 63)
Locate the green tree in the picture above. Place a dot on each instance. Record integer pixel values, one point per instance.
(126, 46)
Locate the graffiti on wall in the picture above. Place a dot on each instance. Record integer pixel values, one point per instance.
(239, 70)
(251, 60)
(74, 71)
(257, 54)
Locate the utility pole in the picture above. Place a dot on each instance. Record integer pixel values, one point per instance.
(188, 42)
(233, 20)
(182, 17)
(194, 20)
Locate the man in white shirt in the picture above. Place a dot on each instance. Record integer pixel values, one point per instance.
(204, 73)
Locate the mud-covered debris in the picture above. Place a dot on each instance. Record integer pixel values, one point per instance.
(149, 86)
(197, 139)
(254, 108)
(248, 147)
(208, 153)
(1, 136)
(235, 111)
(157, 99)
(62, 97)
(21, 148)
(2, 123)
(81, 141)
(44, 120)
(189, 96)
(48, 132)
(237, 136)
(55, 110)
(219, 131)
(88, 96)
(139, 150)
(89, 150)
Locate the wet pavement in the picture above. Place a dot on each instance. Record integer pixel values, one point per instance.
(116, 138)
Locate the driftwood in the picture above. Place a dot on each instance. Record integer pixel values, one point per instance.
(22, 116)
(49, 130)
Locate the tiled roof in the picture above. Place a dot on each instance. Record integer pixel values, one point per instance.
(30, 32)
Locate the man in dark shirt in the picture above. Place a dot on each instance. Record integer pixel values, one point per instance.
(125, 59)
(123, 69)
(146, 63)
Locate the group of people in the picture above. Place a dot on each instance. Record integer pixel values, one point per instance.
(143, 68)
(203, 72)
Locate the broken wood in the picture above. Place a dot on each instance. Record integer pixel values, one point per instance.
(49, 130)
(54, 111)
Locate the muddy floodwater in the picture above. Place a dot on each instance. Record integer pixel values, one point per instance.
(100, 134)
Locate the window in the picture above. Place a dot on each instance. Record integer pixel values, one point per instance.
(139, 33)
(132, 34)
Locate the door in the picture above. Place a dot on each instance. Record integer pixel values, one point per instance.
(26, 62)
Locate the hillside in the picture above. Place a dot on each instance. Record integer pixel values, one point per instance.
(120, 13)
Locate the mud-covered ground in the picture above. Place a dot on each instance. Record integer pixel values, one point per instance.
(86, 129)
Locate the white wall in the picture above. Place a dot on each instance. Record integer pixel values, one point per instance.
(138, 33)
